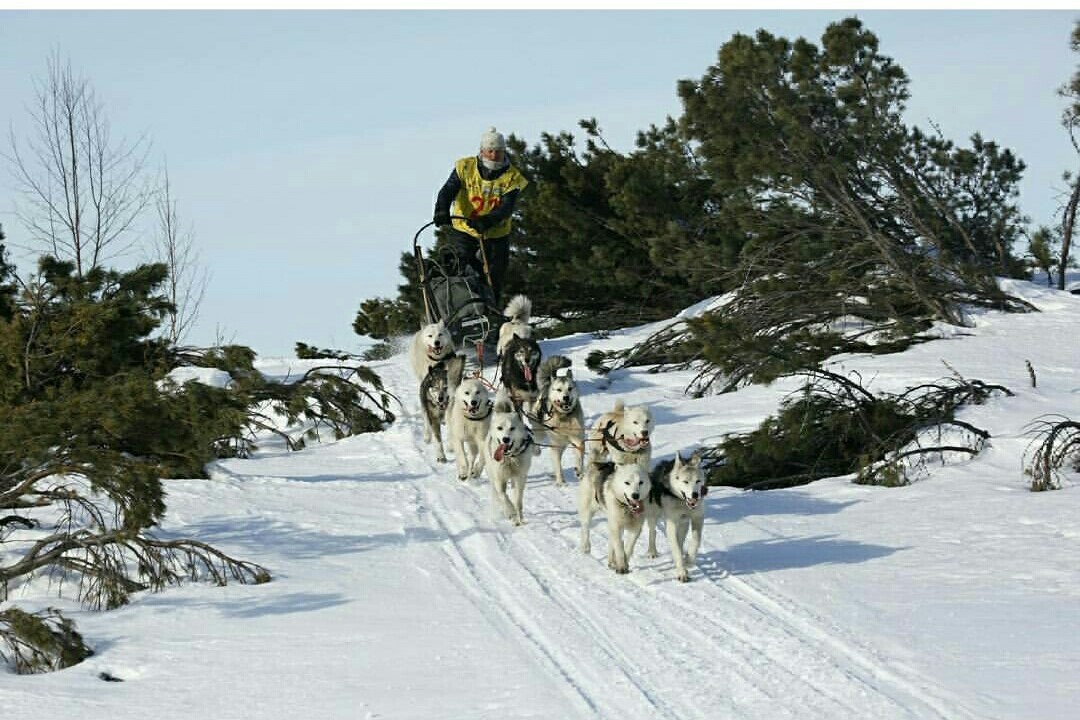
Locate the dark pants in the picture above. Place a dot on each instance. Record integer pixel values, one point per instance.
(498, 258)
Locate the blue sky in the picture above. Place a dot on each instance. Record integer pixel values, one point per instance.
(305, 148)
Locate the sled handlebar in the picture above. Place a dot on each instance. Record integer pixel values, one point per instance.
(425, 226)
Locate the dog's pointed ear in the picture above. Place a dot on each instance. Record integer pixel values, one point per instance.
(502, 401)
(678, 460)
(695, 459)
(455, 369)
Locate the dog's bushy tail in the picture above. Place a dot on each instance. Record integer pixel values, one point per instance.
(548, 368)
(519, 309)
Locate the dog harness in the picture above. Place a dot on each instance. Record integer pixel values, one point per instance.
(477, 418)
(524, 445)
(607, 439)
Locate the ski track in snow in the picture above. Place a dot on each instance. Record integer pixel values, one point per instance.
(644, 645)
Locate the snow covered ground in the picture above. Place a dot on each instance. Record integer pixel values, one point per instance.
(398, 593)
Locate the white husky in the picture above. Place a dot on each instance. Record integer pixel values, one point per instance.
(620, 491)
(557, 414)
(624, 433)
(430, 344)
(519, 310)
(677, 496)
(467, 423)
(509, 454)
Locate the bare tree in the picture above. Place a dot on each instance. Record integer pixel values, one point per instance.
(1070, 119)
(188, 278)
(82, 190)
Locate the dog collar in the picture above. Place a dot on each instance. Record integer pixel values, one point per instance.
(608, 439)
(525, 444)
(480, 417)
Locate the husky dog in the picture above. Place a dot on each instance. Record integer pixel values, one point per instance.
(438, 386)
(677, 496)
(557, 413)
(430, 344)
(467, 422)
(509, 455)
(519, 310)
(624, 434)
(620, 491)
(517, 369)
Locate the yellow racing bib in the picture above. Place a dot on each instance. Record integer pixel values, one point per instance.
(479, 196)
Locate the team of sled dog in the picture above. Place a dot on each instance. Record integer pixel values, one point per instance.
(488, 433)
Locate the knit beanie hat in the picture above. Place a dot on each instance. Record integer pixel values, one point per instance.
(492, 140)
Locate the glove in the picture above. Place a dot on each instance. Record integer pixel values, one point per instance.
(480, 224)
(442, 218)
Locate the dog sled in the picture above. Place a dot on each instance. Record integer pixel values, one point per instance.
(456, 294)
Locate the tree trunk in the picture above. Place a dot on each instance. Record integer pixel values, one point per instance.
(1067, 225)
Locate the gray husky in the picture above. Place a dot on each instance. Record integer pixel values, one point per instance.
(556, 415)
(435, 392)
(677, 495)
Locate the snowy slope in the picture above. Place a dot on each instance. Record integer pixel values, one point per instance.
(399, 594)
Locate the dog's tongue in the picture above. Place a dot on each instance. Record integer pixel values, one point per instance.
(499, 452)
(528, 372)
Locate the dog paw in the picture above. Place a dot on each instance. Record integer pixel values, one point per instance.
(441, 459)
(652, 554)
(683, 576)
(463, 478)
(622, 570)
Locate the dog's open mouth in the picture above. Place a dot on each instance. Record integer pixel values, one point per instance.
(565, 405)
(635, 443)
(691, 502)
(500, 452)
(635, 506)
(527, 371)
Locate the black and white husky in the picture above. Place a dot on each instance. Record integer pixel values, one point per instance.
(557, 418)
(517, 369)
(518, 313)
(677, 495)
(467, 421)
(509, 454)
(620, 492)
(435, 392)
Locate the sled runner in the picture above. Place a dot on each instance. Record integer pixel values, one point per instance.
(455, 293)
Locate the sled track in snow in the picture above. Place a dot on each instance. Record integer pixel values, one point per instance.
(613, 640)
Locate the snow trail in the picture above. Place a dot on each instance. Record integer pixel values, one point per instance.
(645, 645)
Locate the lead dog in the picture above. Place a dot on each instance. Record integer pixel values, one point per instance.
(430, 344)
(620, 491)
(517, 370)
(624, 434)
(436, 390)
(509, 454)
(467, 422)
(519, 312)
(677, 495)
(557, 415)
